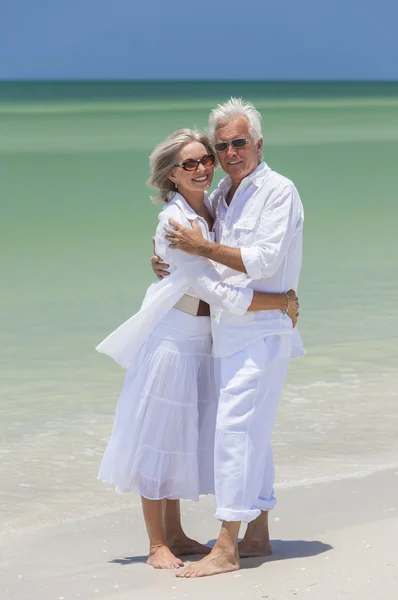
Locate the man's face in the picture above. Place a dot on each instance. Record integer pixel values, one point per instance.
(238, 162)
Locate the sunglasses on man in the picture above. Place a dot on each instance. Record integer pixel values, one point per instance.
(192, 165)
(236, 143)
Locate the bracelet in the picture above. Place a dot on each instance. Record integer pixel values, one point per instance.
(288, 304)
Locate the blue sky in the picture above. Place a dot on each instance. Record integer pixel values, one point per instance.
(181, 39)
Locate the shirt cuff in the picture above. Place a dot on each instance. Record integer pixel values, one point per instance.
(241, 302)
(251, 260)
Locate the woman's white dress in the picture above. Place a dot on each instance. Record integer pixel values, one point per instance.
(162, 443)
(163, 435)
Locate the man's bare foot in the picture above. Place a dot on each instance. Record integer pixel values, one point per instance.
(250, 548)
(218, 561)
(161, 557)
(183, 546)
(256, 541)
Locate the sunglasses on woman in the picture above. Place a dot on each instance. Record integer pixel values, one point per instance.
(236, 143)
(193, 165)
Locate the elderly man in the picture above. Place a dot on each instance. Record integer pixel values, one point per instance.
(258, 231)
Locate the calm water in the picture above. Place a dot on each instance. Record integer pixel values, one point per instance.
(75, 235)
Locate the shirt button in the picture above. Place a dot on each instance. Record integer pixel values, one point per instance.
(213, 316)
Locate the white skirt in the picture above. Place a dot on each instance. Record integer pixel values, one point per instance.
(162, 443)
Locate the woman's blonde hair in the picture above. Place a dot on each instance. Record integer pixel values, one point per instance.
(165, 156)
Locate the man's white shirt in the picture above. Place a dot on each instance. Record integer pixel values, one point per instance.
(265, 219)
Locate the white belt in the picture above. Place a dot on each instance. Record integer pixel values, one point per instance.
(188, 304)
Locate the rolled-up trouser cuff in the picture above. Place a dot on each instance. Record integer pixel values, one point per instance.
(225, 514)
(265, 504)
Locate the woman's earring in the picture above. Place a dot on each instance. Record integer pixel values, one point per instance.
(176, 186)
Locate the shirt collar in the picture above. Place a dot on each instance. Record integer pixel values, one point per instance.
(183, 205)
(256, 177)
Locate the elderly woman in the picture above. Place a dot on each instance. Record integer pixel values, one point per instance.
(163, 436)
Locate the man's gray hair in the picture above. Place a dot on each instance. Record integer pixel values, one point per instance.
(235, 107)
(166, 155)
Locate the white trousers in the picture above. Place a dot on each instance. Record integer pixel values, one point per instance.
(251, 383)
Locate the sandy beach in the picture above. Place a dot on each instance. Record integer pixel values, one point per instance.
(75, 242)
(331, 540)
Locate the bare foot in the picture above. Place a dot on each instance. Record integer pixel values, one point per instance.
(215, 563)
(183, 546)
(250, 548)
(161, 557)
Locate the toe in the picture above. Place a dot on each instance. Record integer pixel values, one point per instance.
(184, 574)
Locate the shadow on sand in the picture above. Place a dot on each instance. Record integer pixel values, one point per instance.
(281, 550)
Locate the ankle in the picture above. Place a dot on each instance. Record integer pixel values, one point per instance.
(226, 552)
(153, 547)
(229, 533)
(175, 534)
(256, 542)
(226, 546)
(259, 538)
(257, 535)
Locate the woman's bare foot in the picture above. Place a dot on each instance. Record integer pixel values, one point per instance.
(217, 562)
(161, 557)
(250, 548)
(182, 545)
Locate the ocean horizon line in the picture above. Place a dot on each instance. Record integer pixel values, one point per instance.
(50, 90)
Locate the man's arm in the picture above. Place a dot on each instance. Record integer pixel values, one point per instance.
(230, 257)
(191, 240)
(277, 227)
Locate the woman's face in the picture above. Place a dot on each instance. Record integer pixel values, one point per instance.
(192, 181)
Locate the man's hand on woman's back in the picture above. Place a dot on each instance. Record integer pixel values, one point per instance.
(158, 266)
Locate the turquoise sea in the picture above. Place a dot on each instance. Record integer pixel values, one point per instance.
(75, 245)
